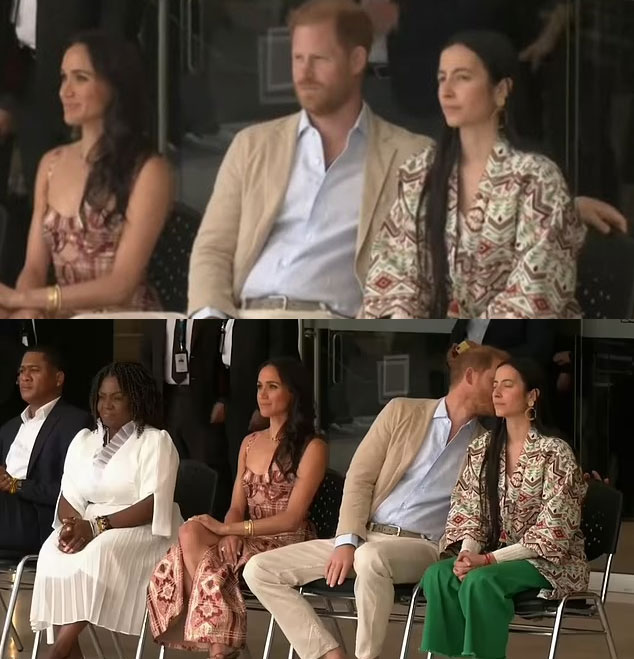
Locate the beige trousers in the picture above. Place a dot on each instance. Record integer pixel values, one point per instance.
(379, 563)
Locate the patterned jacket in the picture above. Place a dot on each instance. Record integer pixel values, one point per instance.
(512, 256)
(539, 509)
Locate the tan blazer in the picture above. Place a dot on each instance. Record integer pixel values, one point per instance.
(382, 458)
(248, 194)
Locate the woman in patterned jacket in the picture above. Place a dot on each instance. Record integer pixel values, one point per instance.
(515, 516)
(480, 228)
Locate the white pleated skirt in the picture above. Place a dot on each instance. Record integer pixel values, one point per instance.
(105, 583)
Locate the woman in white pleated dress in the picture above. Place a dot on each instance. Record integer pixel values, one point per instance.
(115, 518)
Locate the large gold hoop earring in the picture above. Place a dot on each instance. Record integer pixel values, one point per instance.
(530, 413)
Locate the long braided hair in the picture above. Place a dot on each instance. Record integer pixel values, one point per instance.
(138, 385)
(299, 428)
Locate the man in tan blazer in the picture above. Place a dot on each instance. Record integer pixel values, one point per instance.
(395, 504)
(298, 200)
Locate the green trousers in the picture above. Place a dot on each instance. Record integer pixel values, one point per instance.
(470, 618)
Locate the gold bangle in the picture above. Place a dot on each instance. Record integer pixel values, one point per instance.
(246, 526)
(251, 527)
(14, 486)
(51, 294)
(58, 298)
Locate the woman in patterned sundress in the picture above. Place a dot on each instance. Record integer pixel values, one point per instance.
(194, 596)
(101, 201)
(480, 228)
(515, 517)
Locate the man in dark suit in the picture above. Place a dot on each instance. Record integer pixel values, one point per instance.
(32, 452)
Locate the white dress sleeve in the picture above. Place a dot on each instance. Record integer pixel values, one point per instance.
(158, 465)
(73, 467)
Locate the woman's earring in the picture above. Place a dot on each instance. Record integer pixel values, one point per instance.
(530, 412)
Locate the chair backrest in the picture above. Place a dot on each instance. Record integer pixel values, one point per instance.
(195, 488)
(601, 519)
(605, 279)
(324, 512)
(169, 265)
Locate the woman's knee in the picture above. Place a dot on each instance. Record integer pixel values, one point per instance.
(438, 573)
(189, 535)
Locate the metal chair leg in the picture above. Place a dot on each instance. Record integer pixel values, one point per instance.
(162, 652)
(140, 646)
(554, 640)
(8, 621)
(337, 631)
(13, 631)
(95, 641)
(117, 645)
(408, 625)
(36, 644)
(268, 643)
(606, 628)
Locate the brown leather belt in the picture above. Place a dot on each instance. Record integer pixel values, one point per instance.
(389, 529)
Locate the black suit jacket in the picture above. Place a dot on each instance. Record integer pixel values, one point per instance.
(204, 360)
(46, 465)
(520, 338)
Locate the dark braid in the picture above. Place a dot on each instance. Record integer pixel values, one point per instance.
(138, 385)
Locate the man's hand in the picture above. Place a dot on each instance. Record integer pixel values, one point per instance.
(339, 565)
(6, 124)
(595, 476)
(5, 480)
(383, 14)
(218, 413)
(600, 215)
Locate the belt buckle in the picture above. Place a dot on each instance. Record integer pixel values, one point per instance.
(398, 529)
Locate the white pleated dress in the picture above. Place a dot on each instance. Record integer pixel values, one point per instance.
(106, 582)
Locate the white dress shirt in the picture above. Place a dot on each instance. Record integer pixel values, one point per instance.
(26, 22)
(170, 326)
(310, 252)
(421, 499)
(227, 342)
(20, 452)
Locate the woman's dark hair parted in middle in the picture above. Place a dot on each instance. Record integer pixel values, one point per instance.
(501, 61)
(125, 144)
(299, 428)
(138, 385)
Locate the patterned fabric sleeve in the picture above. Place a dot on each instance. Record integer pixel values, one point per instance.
(549, 236)
(393, 282)
(558, 523)
(466, 518)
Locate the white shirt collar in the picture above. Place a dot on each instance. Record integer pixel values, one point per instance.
(41, 413)
(361, 124)
(441, 412)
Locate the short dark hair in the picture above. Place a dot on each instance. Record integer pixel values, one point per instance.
(352, 22)
(52, 355)
(138, 385)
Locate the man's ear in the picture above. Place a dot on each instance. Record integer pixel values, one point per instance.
(59, 378)
(358, 60)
